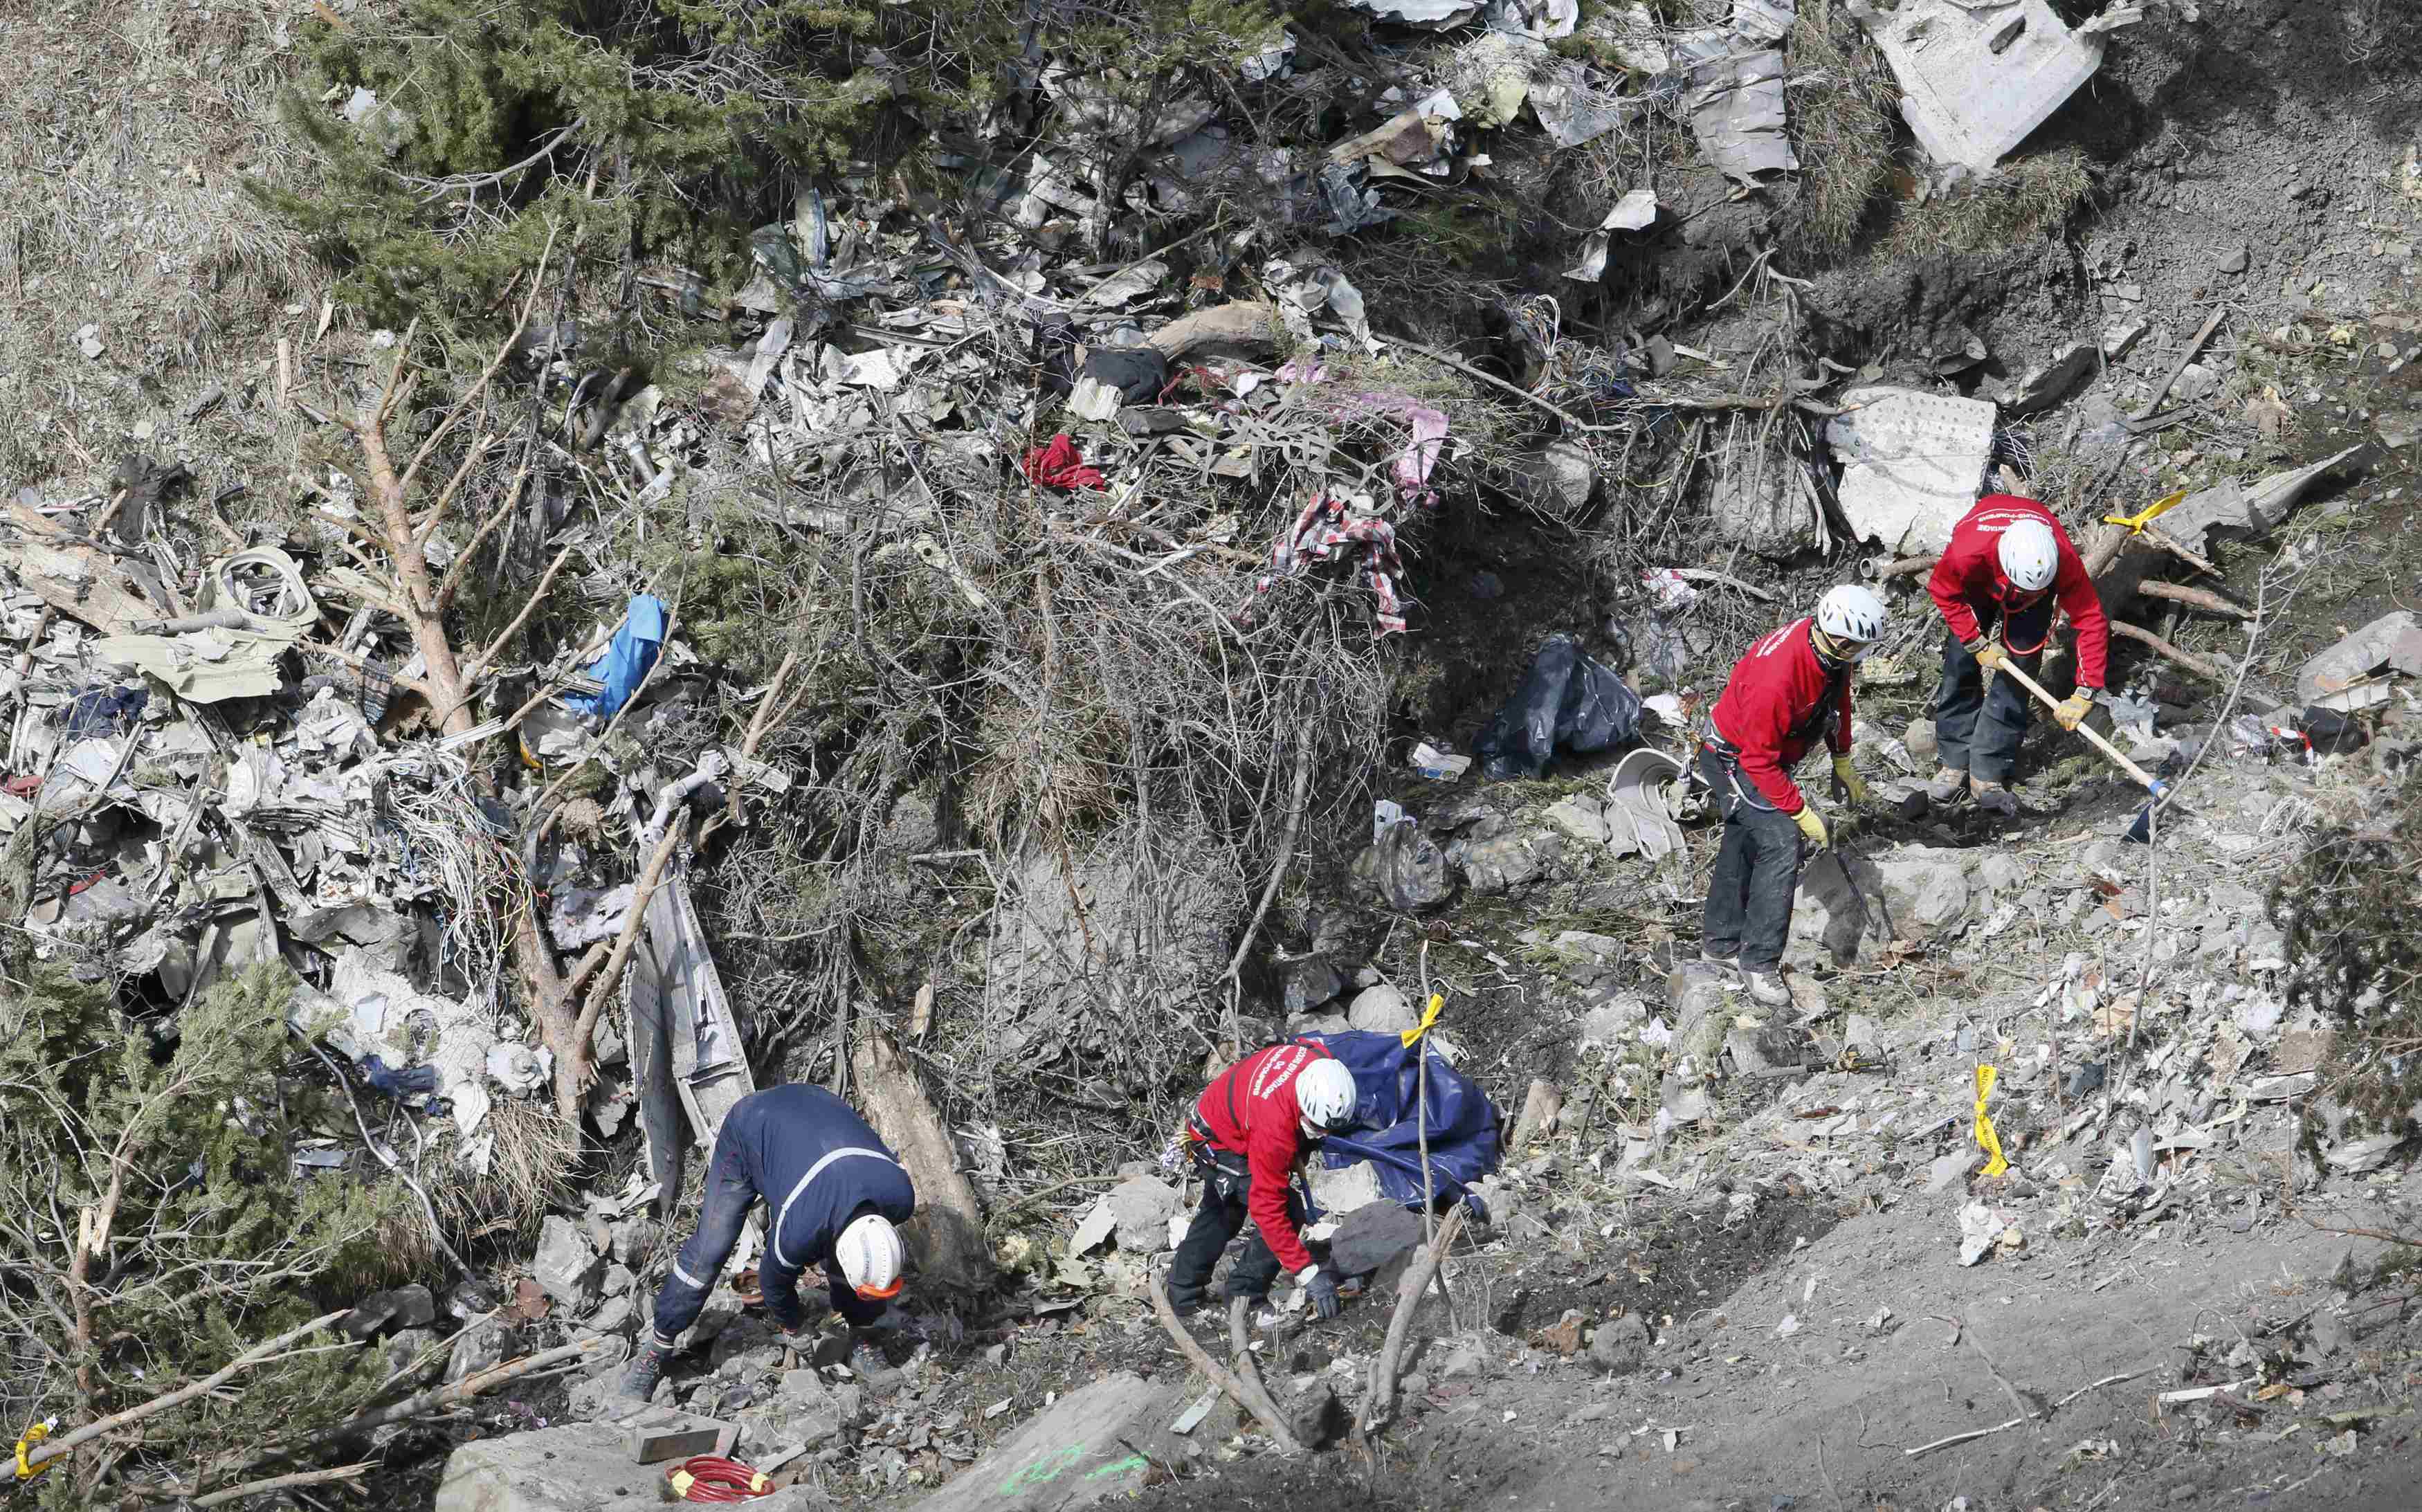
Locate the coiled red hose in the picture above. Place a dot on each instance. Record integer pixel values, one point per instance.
(711, 1478)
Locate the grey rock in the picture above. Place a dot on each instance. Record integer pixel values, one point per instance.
(1557, 479)
(1950, 1171)
(1469, 1357)
(1371, 1235)
(566, 1264)
(2399, 430)
(479, 1347)
(1581, 945)
(1580, 816)
(1620, 1346)
(618, 1280)
(2237, 260)
(1141, 1205)
(1311, 982)
(612, 1317)
(1851, 906)
(1381, 1010)
(1613, 1023)
(414, 1357)
(575, 1467)
(1694, 989)
(632, 1237)
(415, 1308)
(1316, 1416)
(2002, 872)
(1919, 741)
(600, 1232)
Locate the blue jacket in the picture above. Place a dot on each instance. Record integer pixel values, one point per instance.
(818, 1165)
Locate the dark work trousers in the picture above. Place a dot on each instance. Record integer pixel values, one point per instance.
(720, 1218)
(1221, 1218)
(1758, 870)
(1977, 731)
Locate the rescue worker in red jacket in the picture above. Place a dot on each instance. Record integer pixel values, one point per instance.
(1250, 1127)
(2008, 566)
(1792, 688)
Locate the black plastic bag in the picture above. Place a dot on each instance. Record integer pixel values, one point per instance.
(1566, 699)
(1406, 869)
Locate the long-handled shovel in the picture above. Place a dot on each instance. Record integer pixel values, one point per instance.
(2152, 784)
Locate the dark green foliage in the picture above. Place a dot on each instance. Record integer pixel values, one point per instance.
(2349, 907)
(212, 1244)
(667, 129)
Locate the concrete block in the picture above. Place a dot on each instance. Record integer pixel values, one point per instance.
(659, 1437)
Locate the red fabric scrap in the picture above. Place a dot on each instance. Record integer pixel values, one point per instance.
(1060, 466)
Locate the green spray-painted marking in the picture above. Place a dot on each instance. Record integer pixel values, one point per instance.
(1049, 1466)
(1119, 1467)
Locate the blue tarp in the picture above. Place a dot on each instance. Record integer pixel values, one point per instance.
(626, 660)
(1463, 1123)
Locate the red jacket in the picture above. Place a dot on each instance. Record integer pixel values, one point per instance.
(1969, 580)
(1250, 1111)
(1773, 708)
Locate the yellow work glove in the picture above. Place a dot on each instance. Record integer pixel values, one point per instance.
(2072, 710)
(1850, 775)
(1988, 653)
(1810, 823)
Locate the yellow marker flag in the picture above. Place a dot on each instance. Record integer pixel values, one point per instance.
(1437, 1000)
(1986, 1076)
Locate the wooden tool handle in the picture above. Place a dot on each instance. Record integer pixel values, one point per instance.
(2010, 669)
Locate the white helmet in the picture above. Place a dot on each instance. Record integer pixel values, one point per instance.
(1323, 1092)
(2030, 555)
(1851, 613)
(870, 1257)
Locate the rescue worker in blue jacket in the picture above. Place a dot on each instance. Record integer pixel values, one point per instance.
(835, 1195)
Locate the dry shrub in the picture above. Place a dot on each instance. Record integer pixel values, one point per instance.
(1842, 125)
(2023, 199)
(528, 1169)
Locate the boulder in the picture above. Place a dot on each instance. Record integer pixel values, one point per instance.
(1139, 1208)
(1620, 1346)
(802, 1411)
(1095, 1443)
(1372, 1236)
(577, 1467)
(1381, 1010)
(1851, 907)
(1310, 982)
(566, 1266)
